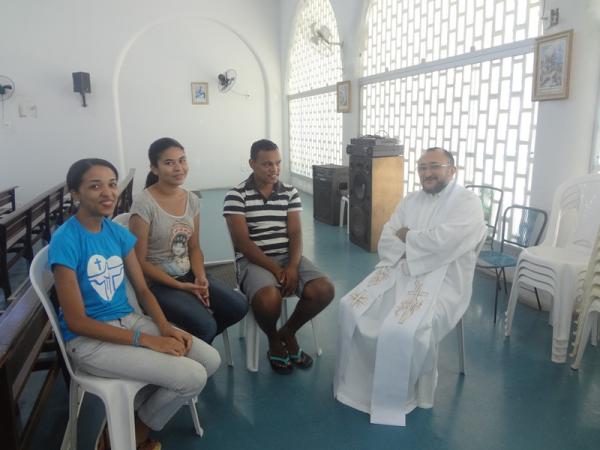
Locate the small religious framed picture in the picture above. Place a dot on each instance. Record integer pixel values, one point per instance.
(199, 93)
(552, 66)
(344, 96)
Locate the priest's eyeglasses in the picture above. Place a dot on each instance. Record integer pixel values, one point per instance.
(431, 167)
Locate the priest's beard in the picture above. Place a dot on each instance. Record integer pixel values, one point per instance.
(437, 187)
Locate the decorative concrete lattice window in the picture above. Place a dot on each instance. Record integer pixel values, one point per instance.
(315, 132)
(314, 69)
(456, 74)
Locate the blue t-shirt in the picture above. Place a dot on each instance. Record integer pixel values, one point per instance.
(97, 260)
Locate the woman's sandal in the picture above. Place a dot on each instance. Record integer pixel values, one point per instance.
(149, 444)
(280, 364)
(103, 441)
(301, 360)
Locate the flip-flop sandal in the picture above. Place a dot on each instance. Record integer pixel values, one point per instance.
(280, 364)
(301, 360)
(150, 444)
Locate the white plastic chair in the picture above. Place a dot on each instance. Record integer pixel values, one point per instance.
(123, 219)
(249, 329)
(251, 334)
(588, 307)
(555, 265)
(229, 278)
(345, 211)
(460, 330)
(117, 395)
(588, 327)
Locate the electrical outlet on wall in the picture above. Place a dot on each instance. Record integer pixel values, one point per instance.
(28, 110)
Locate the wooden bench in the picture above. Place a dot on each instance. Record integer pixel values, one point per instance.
(125, 194)
(15, 232)
(21, 229)
(8, 200)
(56, 204)
(25, 334)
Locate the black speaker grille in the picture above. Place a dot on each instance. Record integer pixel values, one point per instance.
(327, 181)
(359, 224)
(360, 201)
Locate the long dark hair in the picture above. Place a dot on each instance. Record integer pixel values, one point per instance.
(79, 168)
(154, 152)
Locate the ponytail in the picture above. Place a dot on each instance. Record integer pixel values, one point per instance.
(151, 179)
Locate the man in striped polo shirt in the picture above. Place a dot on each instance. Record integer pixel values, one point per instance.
(263, 216)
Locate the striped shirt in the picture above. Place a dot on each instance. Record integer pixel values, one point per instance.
(266, 217)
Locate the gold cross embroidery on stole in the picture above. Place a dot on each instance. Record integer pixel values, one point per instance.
(412, 303)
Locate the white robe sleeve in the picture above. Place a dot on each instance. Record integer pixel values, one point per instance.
(390, 248)
(461, 231)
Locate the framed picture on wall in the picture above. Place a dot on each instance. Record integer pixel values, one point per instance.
(344, 96)
(552, 66)
(199, 93)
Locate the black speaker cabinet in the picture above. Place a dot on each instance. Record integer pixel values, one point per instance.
(328, 180)
(81, 82)
(376, 187)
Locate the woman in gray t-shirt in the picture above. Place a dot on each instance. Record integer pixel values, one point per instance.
(166, 220)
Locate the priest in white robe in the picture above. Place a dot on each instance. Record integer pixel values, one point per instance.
(392, 322)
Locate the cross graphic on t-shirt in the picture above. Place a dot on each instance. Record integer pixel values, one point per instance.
(98, 263)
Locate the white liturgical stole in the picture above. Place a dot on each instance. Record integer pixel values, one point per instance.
(414, 302)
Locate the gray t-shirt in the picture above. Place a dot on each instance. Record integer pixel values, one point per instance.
(168, 235)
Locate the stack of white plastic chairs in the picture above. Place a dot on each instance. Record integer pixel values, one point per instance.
(588, 306)
(555, 265)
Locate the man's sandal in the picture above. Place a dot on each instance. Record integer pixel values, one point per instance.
(301, 360)
(280, 364)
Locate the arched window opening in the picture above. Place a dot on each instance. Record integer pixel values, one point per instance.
(315, 66)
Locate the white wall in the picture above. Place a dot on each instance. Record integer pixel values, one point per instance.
(217, 136)
(565, 127)
(142, 56)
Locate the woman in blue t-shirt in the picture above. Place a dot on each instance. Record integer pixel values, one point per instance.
(165, 218)
(90, 257)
